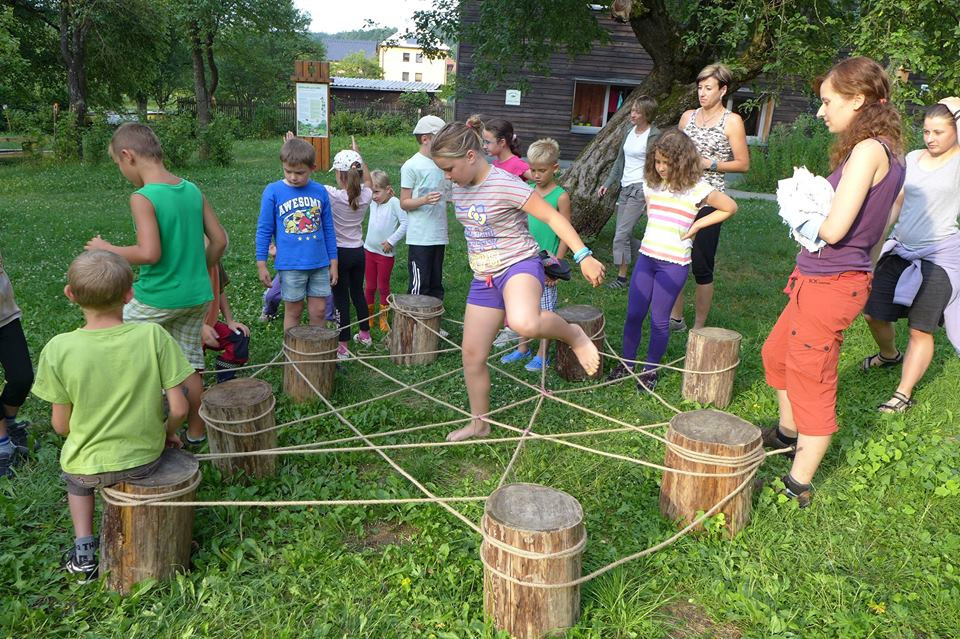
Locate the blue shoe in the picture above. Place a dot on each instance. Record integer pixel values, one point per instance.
(536, 364)
(514, 356)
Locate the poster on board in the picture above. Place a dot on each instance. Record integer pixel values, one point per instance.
(313, 110)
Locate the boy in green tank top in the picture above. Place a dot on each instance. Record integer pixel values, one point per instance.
(172, 218)
(542, 156)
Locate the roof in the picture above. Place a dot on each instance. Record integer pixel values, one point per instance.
(367, 84)
(339, 49)
(397, 40)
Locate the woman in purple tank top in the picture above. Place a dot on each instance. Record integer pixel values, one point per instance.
(829, 288)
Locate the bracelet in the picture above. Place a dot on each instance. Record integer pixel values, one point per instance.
(713, 165)
(582, 254)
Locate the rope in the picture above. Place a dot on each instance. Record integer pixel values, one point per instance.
(120, 498)
(216, 423)
(413, 313)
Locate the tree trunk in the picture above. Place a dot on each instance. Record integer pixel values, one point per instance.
(214, 71)
(200, 87)
(142, 106)
(73, 36)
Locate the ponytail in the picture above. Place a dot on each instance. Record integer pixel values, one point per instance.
(352, 181)
(501, 130)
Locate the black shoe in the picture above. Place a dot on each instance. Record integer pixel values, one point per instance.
(18, 435)
(647, 382)
(771, 439)
(11, 458)
(801, 493)
(619, 372)
(87, 570)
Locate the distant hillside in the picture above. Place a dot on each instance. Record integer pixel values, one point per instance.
(376, 35)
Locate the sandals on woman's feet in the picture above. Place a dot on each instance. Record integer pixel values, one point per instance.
(899, 403)
(877, 360)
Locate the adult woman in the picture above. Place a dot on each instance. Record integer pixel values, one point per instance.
(722, 141)
(627, 175)
(828, 289)
(921, 260)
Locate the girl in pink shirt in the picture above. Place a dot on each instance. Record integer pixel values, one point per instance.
(501, 143)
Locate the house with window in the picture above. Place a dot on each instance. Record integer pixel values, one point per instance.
(403, 60)
(581, 94)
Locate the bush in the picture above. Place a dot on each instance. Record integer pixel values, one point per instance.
(219, 137)
(806, 142)
(178, 136)
(32, 126)
(96, 141)
(266, 122)
(67, 137)
(370, 123)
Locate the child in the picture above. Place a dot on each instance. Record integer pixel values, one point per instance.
(172, 218)
(105, 382)
(387, 226)
(674, 190)
(501, 143)
(508, 275)
(229, 337)
(543, 156)
(18, 371)
(349, 200)
(422, 197)
(295, 214)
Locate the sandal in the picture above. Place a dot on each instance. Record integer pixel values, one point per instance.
(877, 360)
(899, 403)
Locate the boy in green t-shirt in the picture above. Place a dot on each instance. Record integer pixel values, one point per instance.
(172, 217)
(105, 382)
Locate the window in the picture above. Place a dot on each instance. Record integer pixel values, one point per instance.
(594, 104)
(406, 57)
(406, 76)
(756, 111)
(419, 58)
(418, 77)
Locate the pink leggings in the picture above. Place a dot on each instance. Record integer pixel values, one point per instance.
(377, 276)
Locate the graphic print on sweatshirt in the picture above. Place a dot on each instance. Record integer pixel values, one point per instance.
(301, 216)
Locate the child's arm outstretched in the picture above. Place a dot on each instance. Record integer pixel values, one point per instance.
(725, 206)
(147, 250)
(364, 169)
(538, 208)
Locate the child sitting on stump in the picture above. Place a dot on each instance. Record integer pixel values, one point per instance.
(105, 381)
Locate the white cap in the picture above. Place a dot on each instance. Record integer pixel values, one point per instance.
(345, 159)
(428, 124)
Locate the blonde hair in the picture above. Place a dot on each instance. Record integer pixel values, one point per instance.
(544, 151)
(297, 152)
(456, 139)
(137, 138)
(682, 157)
(719, 72)
(99, 279)
(381, 180)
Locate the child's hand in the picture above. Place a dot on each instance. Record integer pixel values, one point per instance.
(173, 441)
(264, 275)
(289, 136)
(209, 336)
(334, 274)
(601, 191)
(387, 247)
(694, 228)
(432, 197)
(272, 251)
(237, 326)
(353, 145)
(98, 243)
(593, 270)
(549, 281)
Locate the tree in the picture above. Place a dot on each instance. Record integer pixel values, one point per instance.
(778, 38)
(356, 65)
(255, 67)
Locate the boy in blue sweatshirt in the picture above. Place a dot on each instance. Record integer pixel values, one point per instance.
(295, 214)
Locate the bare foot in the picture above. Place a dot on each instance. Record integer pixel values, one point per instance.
(586, 351)
(476, 428)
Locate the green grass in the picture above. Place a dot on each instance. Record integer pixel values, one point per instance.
(875, 556)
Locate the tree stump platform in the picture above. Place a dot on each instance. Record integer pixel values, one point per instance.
(521, 520)
(711, 349)
(150, 542)
(316, 348)
(715, 433)
(591, 320)
(240, 419)
(413, 343)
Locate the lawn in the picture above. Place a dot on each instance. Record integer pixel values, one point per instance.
(876, 555)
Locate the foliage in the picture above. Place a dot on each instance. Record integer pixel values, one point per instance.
(371, 32)
(96, 142)
(67, 145)
(344, 122)
(178, 137)
(219, 138)
(255, 65)
(35, 127)
(356, 65)
(806, 142)
(415, 102)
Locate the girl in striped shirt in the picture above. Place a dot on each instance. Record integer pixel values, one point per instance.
(674, 190)
(492, 205)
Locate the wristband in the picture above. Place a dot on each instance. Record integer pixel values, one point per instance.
(582, 254)
(713, 165)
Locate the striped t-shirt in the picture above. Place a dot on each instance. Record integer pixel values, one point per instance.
(494, 224)
(669, 216)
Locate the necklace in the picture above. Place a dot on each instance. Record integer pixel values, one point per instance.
(707, 123)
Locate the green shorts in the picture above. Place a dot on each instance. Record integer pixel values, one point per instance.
(183, 324)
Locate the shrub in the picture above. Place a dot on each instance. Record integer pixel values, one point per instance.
(96, 141)
(32, 126)
(178, 136)
(67, 137)
(266, 122)
(219, 137)
(806, 142)
(370, 123)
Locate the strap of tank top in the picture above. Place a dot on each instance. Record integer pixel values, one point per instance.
(723, 118)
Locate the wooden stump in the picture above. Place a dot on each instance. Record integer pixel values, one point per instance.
(711, 349)
(309, 344)
(716, 433)
(591, 320)
(532, 519)
(412, 343)
(243, 405)
(150, 542)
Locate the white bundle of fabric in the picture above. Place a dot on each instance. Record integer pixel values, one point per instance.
(805, 201)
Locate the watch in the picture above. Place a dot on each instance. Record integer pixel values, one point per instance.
(713, 165)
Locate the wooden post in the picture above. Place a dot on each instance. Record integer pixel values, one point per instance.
(411, 342)
(150, 542)
(529, 518)
(314, 344)
(590, 319)
(317, 72)
(711, 349)
(716, 433)
(243, 405)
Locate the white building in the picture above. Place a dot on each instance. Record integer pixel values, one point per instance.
(403, 60)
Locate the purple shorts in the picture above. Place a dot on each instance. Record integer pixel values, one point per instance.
(489, 292)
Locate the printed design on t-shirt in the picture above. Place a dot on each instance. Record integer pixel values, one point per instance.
(481, 239)
(301, 216)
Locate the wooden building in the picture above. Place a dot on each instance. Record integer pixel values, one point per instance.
(578, 97)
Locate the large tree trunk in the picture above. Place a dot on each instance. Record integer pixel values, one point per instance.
(200, 87)
(73, 36)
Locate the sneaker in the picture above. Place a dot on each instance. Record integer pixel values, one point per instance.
(9, 459)
(618, 283)
(647, 382)
(443, 333)
(190, 442)
(802, 496)
(267, 317)
(677, 325)
(504, 337)
(342, 352)
(18, 435)
(536, 364)
(87, 570)
(359, 339)
(514, 356)
(619, 372)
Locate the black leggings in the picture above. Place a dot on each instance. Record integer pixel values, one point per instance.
(350, 269)
(15, 360)
(704, 253)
